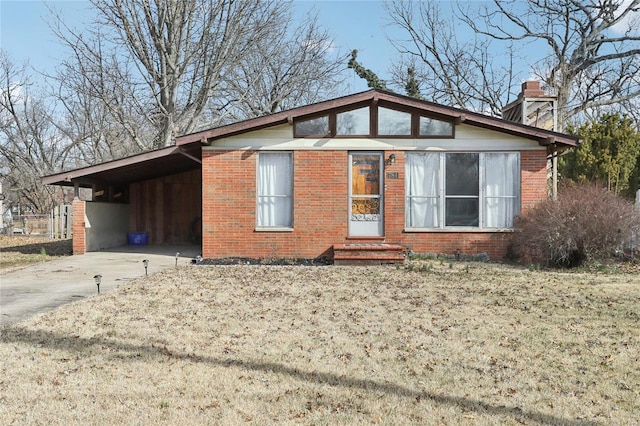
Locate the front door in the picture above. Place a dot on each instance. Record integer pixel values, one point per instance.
(365, 194)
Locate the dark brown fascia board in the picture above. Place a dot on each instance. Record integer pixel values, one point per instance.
(543, 137)
(455, 114)
(68, 177)
(485, 121)
(274, 119)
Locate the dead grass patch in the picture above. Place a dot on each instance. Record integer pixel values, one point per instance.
(18, 251)
(459, 344)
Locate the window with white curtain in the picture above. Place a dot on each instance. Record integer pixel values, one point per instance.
(501, 189)
(275, 189)
(449, 190)
(422, 188)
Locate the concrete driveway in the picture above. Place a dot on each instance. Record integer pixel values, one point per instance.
(45, 286)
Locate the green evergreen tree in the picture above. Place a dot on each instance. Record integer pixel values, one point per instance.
(412, 85)
(372, 79)
(609, 153)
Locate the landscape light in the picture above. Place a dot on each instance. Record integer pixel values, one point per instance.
(177, 256)
(98, 279)
(146, 265)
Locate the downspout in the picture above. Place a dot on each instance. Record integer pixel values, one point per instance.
(554, 157)
(555, 154)
(554, 174)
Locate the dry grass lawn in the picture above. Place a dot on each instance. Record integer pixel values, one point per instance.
(18, 251)
(454, 344)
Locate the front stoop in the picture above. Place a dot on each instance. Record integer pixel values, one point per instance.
(367, 254)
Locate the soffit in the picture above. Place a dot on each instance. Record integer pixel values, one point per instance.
(148, 165)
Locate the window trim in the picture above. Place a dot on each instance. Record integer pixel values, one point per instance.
(373, 122)
(411, 123)
(355, 135)
(309, 118)
(446, 196)
(274, 228)
(482, 197)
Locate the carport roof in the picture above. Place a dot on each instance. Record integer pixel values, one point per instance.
(148, 165)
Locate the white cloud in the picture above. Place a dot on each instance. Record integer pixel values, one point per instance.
(629, 22)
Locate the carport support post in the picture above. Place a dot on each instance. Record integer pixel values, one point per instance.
(79, 227)
(76, 191)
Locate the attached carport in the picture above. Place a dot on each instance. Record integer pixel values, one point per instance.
(156, 195)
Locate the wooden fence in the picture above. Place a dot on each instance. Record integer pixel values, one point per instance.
(60, 222)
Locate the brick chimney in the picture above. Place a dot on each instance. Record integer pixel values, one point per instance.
(532, 107)
(531, 89)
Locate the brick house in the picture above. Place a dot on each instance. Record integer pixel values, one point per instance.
(368, 175)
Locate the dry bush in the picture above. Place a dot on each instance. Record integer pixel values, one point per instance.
(587, 223)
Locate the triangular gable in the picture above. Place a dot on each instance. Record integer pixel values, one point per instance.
(374, 97)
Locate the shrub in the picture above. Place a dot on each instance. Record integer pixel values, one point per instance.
(587, 223)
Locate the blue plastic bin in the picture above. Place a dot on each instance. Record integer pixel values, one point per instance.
(137, 238)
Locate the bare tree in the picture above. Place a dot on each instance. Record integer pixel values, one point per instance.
(30, 143)
(448, 69)
(592, 59)
(288, 67)
(165, 60)
(594, 47)
(100, 111)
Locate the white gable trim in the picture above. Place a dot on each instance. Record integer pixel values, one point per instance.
(467, 138)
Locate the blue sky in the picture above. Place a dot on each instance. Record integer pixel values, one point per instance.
(354, 24)
(26, 36)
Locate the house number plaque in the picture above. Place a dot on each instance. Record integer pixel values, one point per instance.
(392, 175)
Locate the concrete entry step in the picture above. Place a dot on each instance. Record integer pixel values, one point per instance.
(367, 254)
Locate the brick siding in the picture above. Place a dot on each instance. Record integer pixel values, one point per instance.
(320, 212)
(79, 231)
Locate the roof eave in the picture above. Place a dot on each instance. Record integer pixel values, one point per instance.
(84, 176)
(456, 115)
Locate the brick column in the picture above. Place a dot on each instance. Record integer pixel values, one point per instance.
(79, 232)
(533, 178)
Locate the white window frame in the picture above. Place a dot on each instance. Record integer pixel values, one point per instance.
(441, 196)
(446, 196)
(272, 224)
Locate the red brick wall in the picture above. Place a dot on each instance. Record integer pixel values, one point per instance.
(321, 208)
(533, 166)
(533, 187)
(78, 227)
(229, 206)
